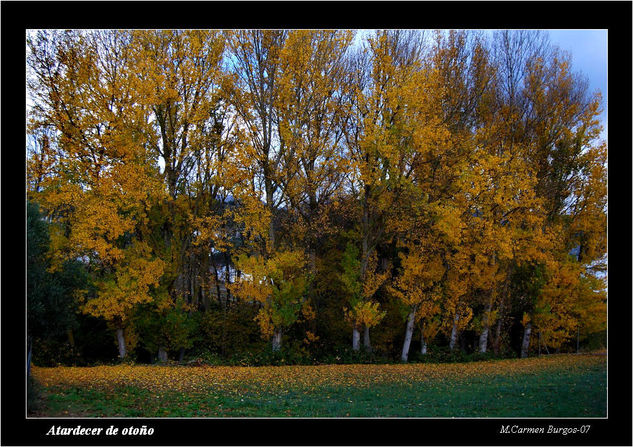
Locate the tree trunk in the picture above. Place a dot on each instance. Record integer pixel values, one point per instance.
(162, 354)
(204, 303)
(454, 334)
(181, 354)
(578, 340)
(271, 233)
(366, 341)
(193, 289)
(217, 280)
(497, 343)
(364, 262)
(423, 346)
(224, 324)
(407, 336)
(121, 340)
(227, 282)
(355, 339)
(277, 340)
(71, 338)
(526, 340)
(270, 204)
(483, 338)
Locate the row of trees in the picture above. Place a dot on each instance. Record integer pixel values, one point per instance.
(329, 181)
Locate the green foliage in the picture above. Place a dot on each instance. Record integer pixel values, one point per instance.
(226, 331)
(595, 341)
(53, 352)
(350, 274)
(527, 281)
(53, 295)
(169, 328)
(287, 301)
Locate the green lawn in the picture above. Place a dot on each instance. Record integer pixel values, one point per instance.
(565, 386)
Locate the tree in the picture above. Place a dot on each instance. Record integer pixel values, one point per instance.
(558, 132)
(164, 327)
(362, 311)
(312, 92)
(444, 101)
(374, 134)
(182, 81)
(418, 288)
(527, 282)
(256, 55)
(278, 284)
(99, 184)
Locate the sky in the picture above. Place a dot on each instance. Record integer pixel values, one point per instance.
(588, 49)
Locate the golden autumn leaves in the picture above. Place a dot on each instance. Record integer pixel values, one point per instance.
(281, 379)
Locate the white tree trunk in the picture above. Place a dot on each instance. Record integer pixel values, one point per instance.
(162, 354)
(407, 336)
(366, 340)
(526, 340)
(454, 333)
(355, 339)
(277, 340)
(423, 347)
(121, 341)
(483, 338)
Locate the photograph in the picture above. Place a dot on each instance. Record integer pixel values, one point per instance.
(316, 223)
(303, 230)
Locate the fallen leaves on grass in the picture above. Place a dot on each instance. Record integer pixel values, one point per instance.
(282, 379)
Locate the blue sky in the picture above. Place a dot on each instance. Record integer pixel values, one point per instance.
(589, 53)
(588, 49)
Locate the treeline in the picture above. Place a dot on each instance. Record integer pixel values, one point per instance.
(227, 192)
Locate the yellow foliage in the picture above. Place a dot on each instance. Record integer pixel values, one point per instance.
(421, 272)
(364, 313)
(131, 284)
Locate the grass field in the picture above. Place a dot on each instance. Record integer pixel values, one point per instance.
(549, 386)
